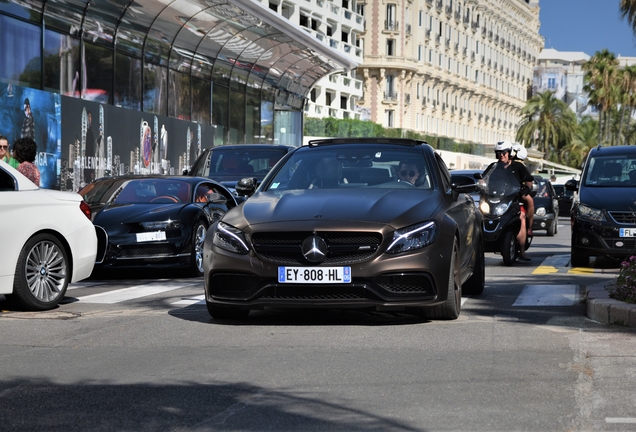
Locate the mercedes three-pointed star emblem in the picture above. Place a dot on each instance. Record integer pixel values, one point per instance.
(314, 249)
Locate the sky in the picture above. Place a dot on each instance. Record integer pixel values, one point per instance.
(586, 25)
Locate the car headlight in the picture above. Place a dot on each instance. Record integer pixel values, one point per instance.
(229, 238)
(540, 211)
(161, 225)
(413, 237)
(590, 213)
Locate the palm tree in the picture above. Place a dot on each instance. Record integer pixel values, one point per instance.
(628, 10)
(585, 137)
(601, 83)
(552, 118)
(628, 98)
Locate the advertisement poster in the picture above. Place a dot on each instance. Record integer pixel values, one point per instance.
(25, 112)
(80, 141)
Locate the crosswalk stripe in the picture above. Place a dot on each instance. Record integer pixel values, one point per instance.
(130, 293)
(549, 295)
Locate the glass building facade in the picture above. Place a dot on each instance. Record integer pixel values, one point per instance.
(233, 66)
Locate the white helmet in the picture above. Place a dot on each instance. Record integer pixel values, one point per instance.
(503, 146)
(519, 151)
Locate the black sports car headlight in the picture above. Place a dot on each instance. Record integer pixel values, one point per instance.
(231, 239)
(161, 225)
(413, 237)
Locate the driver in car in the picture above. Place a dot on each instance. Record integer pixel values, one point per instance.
(408, 172)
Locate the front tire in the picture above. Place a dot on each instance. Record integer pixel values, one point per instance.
(552, 229)
(475, 284)
(42, 274)
(451, 308)
(196, 257)
(509, 248)
(579, 258)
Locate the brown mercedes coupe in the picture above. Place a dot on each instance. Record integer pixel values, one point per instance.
(349, 223)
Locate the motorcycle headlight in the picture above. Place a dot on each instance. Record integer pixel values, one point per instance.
(484, 207)
(585, 212)
(501, 208)
(230, 238)
(161, 225)
(540, 211)
(413, 237)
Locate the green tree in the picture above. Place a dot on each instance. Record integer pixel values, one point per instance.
(603, 86)
(585, 137)
(548, 119)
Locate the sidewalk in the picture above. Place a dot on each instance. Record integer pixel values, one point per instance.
(602, 308)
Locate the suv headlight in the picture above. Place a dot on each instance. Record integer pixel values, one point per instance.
(229, 238)
(590, 213)
(413, 237)
(541, 211)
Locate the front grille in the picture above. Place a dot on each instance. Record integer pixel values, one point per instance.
(234, 286)
(342, 247)
(147, 251)
(317, 293)
(627, 218)
(628, 243)
(406, 284)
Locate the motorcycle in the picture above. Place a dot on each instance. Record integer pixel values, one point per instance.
(499, 203)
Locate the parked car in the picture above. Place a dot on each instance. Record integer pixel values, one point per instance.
(564, 196)
(48, 241)
(603, 216)
(228, 164)
(154, 221)
(349, 223)
(546, 207)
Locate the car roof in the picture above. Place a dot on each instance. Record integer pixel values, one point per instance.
(613, 150)
(366, 140)
(252, 146)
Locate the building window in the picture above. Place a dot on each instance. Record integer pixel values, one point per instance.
(390, 47)
(419, 53)
(421, 19)
(391, 23)
(390, 118)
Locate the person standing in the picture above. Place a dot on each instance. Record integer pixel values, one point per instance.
(28, 126)
(4, 152)
(25, 150)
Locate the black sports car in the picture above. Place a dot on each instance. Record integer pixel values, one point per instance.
(355, 223)
(228, 164)
(154, 221)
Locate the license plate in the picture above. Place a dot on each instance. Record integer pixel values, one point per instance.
(151, 236)
(627, 232)
(318, 275)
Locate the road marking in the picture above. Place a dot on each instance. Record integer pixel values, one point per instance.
(549, 295)
(191, 300)
(561, 264)
(624, 420)
(130, 293)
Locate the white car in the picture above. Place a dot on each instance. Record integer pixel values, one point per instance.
(48, 241)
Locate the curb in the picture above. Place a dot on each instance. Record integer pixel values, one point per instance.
(602, 308)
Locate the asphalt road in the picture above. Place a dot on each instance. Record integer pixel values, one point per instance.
(142, 353)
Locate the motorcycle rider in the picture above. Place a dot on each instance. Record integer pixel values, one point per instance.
(505, 154)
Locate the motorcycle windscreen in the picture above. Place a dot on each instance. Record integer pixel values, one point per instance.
(501, 182)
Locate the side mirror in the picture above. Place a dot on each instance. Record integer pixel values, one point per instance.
(572, 185)
(216, 198)
(463, 184)
(246, 186)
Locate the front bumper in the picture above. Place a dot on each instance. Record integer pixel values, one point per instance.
(602, 239)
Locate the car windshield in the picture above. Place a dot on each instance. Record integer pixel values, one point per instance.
(227, 164)
(138, 191)
(353, 166)
(611, 171)
(543, 191)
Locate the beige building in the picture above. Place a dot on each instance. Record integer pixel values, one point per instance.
(461, 69)
(336, 24)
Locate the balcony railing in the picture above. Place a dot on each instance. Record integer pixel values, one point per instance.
(391, 25)
(390, 96)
